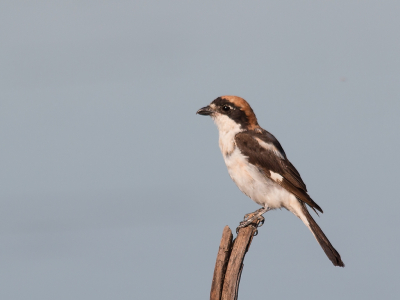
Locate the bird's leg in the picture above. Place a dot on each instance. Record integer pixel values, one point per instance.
(251, 217)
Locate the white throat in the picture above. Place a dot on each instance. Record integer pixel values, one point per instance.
(227, 131)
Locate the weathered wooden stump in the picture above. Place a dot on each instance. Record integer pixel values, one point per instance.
(229, 264)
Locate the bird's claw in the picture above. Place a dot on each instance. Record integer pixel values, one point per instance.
(252, 221)
(260, 221)
(255, 219)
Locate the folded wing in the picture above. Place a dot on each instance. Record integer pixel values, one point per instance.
(265, 152)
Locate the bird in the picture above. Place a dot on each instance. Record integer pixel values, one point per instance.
(258, 165)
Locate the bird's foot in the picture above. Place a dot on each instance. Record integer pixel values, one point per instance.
(251, 215)
(254, 218)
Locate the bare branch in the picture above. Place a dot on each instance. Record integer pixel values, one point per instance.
(229, 264)
(224, 252)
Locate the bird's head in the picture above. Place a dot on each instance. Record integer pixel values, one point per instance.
(229, 112)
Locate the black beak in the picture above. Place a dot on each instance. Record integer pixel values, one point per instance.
(205, 111)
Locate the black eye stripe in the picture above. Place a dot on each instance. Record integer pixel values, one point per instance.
(235, 113)
(219, 102)
(226, 108)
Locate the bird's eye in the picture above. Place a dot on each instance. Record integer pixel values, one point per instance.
(226, 108)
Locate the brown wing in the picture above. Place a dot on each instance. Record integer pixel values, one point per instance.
(267, 160)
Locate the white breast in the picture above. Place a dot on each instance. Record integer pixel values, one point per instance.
(252, 182)
(247, 177)
(227, 131)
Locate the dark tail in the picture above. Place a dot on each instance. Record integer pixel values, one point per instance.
(331, 252)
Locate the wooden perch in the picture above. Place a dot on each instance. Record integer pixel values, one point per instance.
(229, 264)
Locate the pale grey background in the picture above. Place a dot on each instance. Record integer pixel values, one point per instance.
(112, 187)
